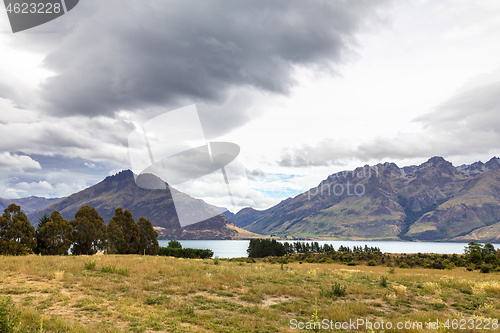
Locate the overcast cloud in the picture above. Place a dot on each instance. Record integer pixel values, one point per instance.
(305, 89)
(134, 54)
(466, 123)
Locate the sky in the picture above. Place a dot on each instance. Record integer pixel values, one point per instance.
(304, 89)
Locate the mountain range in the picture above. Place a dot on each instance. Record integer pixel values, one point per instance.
(29, 204)
(121, 190)
(434, 201)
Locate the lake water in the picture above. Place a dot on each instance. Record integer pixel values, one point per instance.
(238, 248)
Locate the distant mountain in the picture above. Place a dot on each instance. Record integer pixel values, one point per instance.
(121, 190)
(434, 201)
(29, 204)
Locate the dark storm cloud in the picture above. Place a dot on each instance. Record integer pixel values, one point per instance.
(467, 123)
(139, 54)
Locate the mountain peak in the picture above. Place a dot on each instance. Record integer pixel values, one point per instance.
(494, 163)
(438, 161)
(122, 175)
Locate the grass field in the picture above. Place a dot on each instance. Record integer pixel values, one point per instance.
(151, 294)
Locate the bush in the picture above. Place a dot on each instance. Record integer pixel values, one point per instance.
(217, 261)
(492, 260)
(185, 253)
(403, 265)
(337, 290)
(486, 268)
(125, 271)
(108, 269)
(9, 317)
(400, 291)
(90, 265)
(372, 263)
(383, 281)
(156, 300)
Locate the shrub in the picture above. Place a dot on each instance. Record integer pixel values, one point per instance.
(383, 281)
(492, 260)
(156, 300)
(90, 265)
(372, 263)
(185, 253)
(217, 261)
(403, 265)
(9, 317)
(108, 269)
(400, 291)
(337, 290)
(486, 268)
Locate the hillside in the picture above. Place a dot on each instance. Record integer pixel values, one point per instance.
(157, 205)
(29, 204)
(433, 201)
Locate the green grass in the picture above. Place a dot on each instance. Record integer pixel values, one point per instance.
(164, 294)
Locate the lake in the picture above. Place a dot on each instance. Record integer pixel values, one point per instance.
(238, 248)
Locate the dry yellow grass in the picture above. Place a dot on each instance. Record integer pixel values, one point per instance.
(161, 294)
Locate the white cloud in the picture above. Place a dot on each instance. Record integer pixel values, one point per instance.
(17, 162)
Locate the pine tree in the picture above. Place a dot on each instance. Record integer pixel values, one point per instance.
(39, 241)
(89, 231)
(55, 235)
(148, 237)
(116, 242)
(17, 235)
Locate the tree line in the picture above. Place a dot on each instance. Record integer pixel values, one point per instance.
(174, 249)
(86, 234)
(260, 248)
(476, 256)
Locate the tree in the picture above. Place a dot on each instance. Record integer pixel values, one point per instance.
(148, 237)
(89, 231)
(116, 242)
(174, 244)
(55, 236)
(129, 229)
(488, 249)
(17, 235)
(39, 241)
(260, 248)
(473, 253)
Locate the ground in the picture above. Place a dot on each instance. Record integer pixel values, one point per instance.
(162, 294)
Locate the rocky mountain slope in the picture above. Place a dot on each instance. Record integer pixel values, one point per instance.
(433, 201)
(156, 205)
